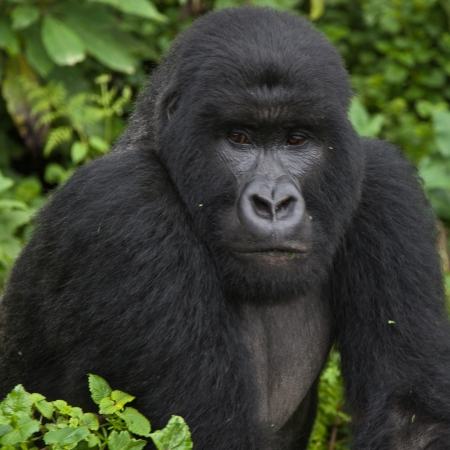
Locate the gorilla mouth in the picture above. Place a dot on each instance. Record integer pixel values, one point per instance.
(277, 252)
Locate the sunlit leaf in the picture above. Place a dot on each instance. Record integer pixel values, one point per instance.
(63, 45)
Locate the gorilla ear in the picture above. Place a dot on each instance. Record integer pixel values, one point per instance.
(170, 104)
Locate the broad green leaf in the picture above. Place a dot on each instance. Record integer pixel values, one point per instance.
(62, 407)
(121, 398)
(11, 220)
(6, 203)
(79, 151)
(435, 174)
(17, 403)
(175, 436)
(123, 441)
(107, 406)
(99, 388)
(44, 407)
(6, 35)
(5, 183)
(143, 8)
(99, 144)
(102, 46)
(135, 421)
(55, 173)
(361, 120)
(66, 436)
(22, 430)
(35, 52)
(441, 125)
(90, 420)
(63, 45)
(23, 16)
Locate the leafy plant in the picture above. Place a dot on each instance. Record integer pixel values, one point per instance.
(29, 421)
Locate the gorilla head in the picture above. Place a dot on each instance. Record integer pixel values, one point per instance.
(251, 124)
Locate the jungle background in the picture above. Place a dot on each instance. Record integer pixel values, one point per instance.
(70, 71)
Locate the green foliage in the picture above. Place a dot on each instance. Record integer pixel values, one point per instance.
(29, 421)
(69, 68)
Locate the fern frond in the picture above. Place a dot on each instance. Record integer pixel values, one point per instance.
(56, 137)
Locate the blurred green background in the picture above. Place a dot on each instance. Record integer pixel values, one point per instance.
(71, 69)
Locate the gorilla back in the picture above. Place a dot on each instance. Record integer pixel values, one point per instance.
(238, 228)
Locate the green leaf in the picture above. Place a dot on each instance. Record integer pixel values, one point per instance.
(135, 421)
(435, 174)
(44, 407)
(35, 52)
(99, 144)
(142, 8)
(175, 436)
(5, 183)
(123, 441)
(99, 388)
(17, 403)
(6, 35)
(102, 45)
(23, 16)
(22, 430)
(441, 126)
(79, 151)
(66, 436)
(64, 46)
(361, 120)
(90, 420)
(11, 220)
(317, 9)
(121, 398)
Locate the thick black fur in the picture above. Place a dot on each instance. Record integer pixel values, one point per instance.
(128, 277)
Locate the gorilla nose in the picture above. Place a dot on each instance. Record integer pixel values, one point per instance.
(267, 205)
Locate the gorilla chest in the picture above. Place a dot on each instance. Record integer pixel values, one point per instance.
(288, 344)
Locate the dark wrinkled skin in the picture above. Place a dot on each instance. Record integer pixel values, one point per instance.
(237, 229)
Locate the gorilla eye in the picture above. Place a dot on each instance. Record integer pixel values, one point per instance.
(238, 138)
(296, 139)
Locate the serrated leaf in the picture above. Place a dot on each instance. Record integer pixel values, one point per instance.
(44, 407)
(107, 406)
(142, 8)
(99, 388)
(23, 16)
(175, 436)
(63, 45)
(66, 436)
(22, 430)
(17, 403)
(135, 421)
(121, 398)
(123, 441)
(90, 420)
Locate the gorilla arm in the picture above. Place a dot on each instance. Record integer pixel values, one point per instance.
(391, 323)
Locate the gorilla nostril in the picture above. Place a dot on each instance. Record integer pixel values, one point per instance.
(284, 204)
(262, 206)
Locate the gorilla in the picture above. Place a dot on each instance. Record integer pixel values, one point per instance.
(239, 228)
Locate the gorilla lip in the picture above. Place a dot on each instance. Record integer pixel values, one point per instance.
(279, 250)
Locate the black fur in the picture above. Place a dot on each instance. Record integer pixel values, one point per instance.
(130, 273)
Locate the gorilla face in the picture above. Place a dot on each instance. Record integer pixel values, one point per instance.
(256, 138)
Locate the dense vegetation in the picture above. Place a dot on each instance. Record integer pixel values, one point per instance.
(70, 70)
